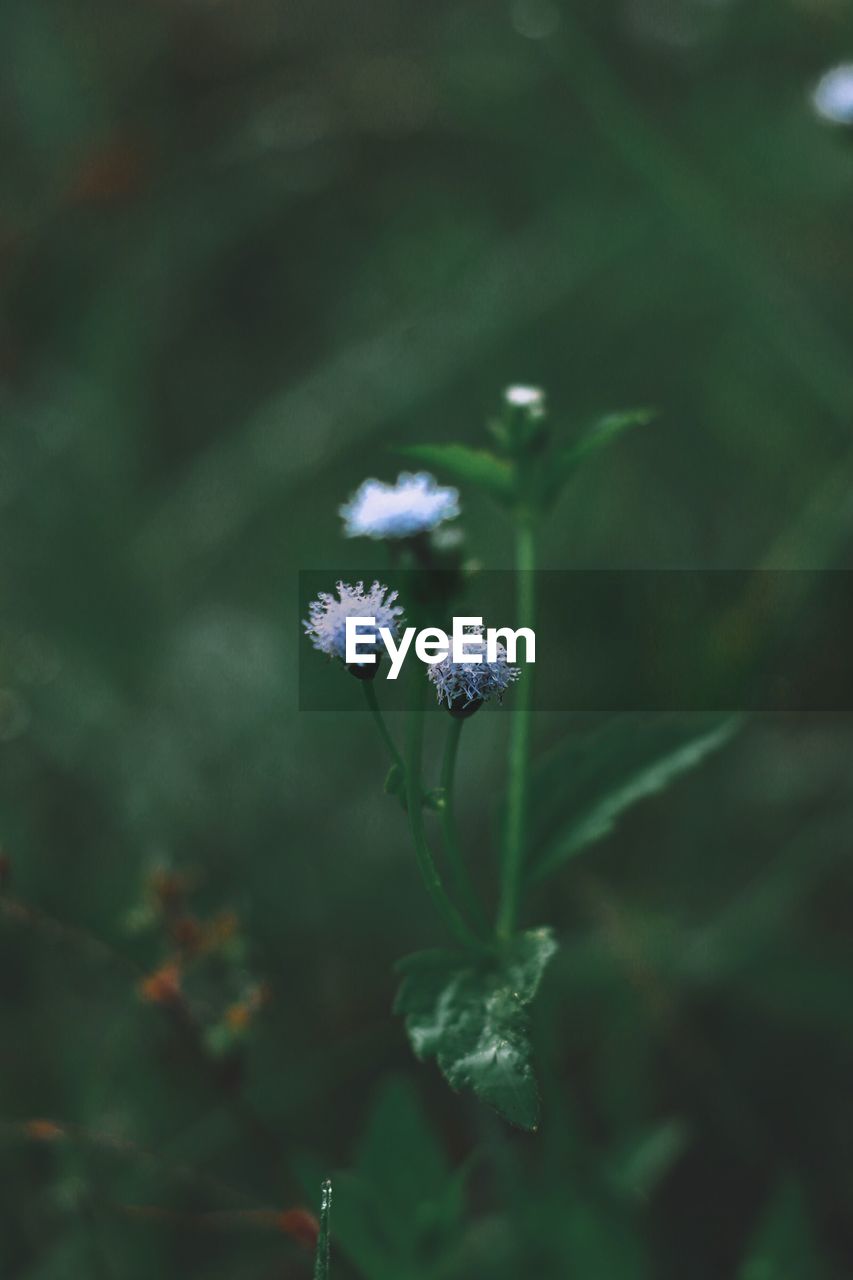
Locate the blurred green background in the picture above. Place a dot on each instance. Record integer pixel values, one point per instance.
(246, 249)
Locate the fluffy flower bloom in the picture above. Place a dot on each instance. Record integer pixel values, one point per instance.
(833, 97)
(327, 617)
(530, 398)
(466, 684)
(415, 504)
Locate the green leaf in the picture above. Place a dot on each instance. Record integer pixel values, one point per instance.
(784, 1247)
(471, 1017)
(598, 776)
(399, 1212)
(401, 1157)
(365, 1234)
(598, 1243)
(642, 1160)
(322, 1268)
(471, 466)
(602, 433)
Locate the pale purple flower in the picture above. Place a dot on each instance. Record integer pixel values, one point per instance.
(833, 96)
(327, 616)
(415, 504)
(465, 685)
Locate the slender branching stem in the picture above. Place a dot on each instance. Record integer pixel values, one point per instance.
(458, 869)
(379, 720)
(426, 863)
(518, 780)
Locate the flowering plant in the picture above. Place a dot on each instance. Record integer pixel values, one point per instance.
(467, 1007)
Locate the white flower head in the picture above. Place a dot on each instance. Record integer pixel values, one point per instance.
(326, 625)
(415, 504)
(833, 96)
(463, 686)
(532, 399)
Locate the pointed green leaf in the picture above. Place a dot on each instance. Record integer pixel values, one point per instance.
(471, 1016)
(601, 434)
(597, 1242)
(367, 1233)
(597, 776)
(471, 466)
(399, 1211)
(401, 1157)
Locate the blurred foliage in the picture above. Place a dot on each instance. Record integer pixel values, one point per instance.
(248, 250)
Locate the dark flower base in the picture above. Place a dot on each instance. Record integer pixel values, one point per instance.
(461, 710)
(364, 670)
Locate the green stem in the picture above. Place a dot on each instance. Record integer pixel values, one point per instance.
(379, 719)
(458, 869)
(519, 742)
(414, 803)
(324, 1240)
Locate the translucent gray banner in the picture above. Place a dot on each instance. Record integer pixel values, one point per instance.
(654, 640)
